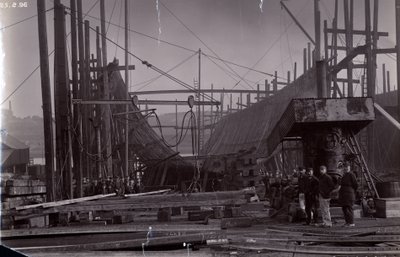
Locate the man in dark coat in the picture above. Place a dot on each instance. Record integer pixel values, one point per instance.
(347, 195)
(311, 190)
(326, 187)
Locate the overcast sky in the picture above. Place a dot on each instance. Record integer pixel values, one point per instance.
(235, 30)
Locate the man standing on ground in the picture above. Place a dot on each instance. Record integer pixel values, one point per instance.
(326, 187)
(311, 190)
(347, 195)
(301, 182)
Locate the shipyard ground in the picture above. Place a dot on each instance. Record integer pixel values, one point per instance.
(263, 237)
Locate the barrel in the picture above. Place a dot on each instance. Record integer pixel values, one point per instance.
(388, 189)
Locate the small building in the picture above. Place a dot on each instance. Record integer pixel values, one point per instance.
(14, 154)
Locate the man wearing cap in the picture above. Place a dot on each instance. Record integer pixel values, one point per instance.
(326, 187)
(311, 188)
(347, 194)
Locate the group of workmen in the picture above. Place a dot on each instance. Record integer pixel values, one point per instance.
(316, 192)
(120, 186)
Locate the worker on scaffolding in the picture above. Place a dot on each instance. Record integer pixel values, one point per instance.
(347, 194)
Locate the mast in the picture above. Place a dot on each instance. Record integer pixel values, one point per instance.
(127, 88)
(106, 89)
(46, 99)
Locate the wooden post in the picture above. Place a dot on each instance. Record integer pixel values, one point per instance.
(61, 100)
(375, 43)
(212, 108)
(176, 126)
(334, 46)
(258, 92)
(86, 96)
(222, 102)
(106, 88)
(288, 78)
(362, 86)
(304, 60)
(46, 99)
(388, 81)
(267, 89)
(126, 168)
(370, 81)
(398, 56)
(275, 83)
(99, 108)
(349, 45)
(384, 78)
(248, 101)
(317, 24)
(82, 79)
(198, 110)
(326, 39)
(75, 92)
(309, 55)
(202, 122)
(241, 101)
(295, 71)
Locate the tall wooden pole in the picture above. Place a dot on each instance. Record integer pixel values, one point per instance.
(99, 174)
(374, 43)
(75, 92)
(61, 100)
(384, 78)
(398, 56)
(198, 110)
(86, 95)
(370, 81)
(46, 101)
(348, 24)
(106, 88)
(334, 45)
(317, 23)
(176, 126)
(127, 88)
(82, 79)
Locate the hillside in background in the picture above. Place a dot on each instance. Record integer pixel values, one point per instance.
(30, 131)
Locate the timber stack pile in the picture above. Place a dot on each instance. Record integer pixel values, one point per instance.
(161, 205)
(17, 192)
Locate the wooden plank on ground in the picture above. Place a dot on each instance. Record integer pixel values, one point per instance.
(199, 238)
(126, 228)
(115, 206)
(64, 202)
(148, 193)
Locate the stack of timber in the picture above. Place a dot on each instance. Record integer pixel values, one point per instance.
(17, 192)
(112, 209)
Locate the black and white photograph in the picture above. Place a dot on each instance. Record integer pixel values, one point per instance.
(199, 128)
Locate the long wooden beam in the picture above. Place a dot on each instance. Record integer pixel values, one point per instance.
(356, 32)
(149, 102)
(188, 91)
(197, 238)
(343, 63)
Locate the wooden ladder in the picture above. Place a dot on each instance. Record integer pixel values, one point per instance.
(354, 148)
